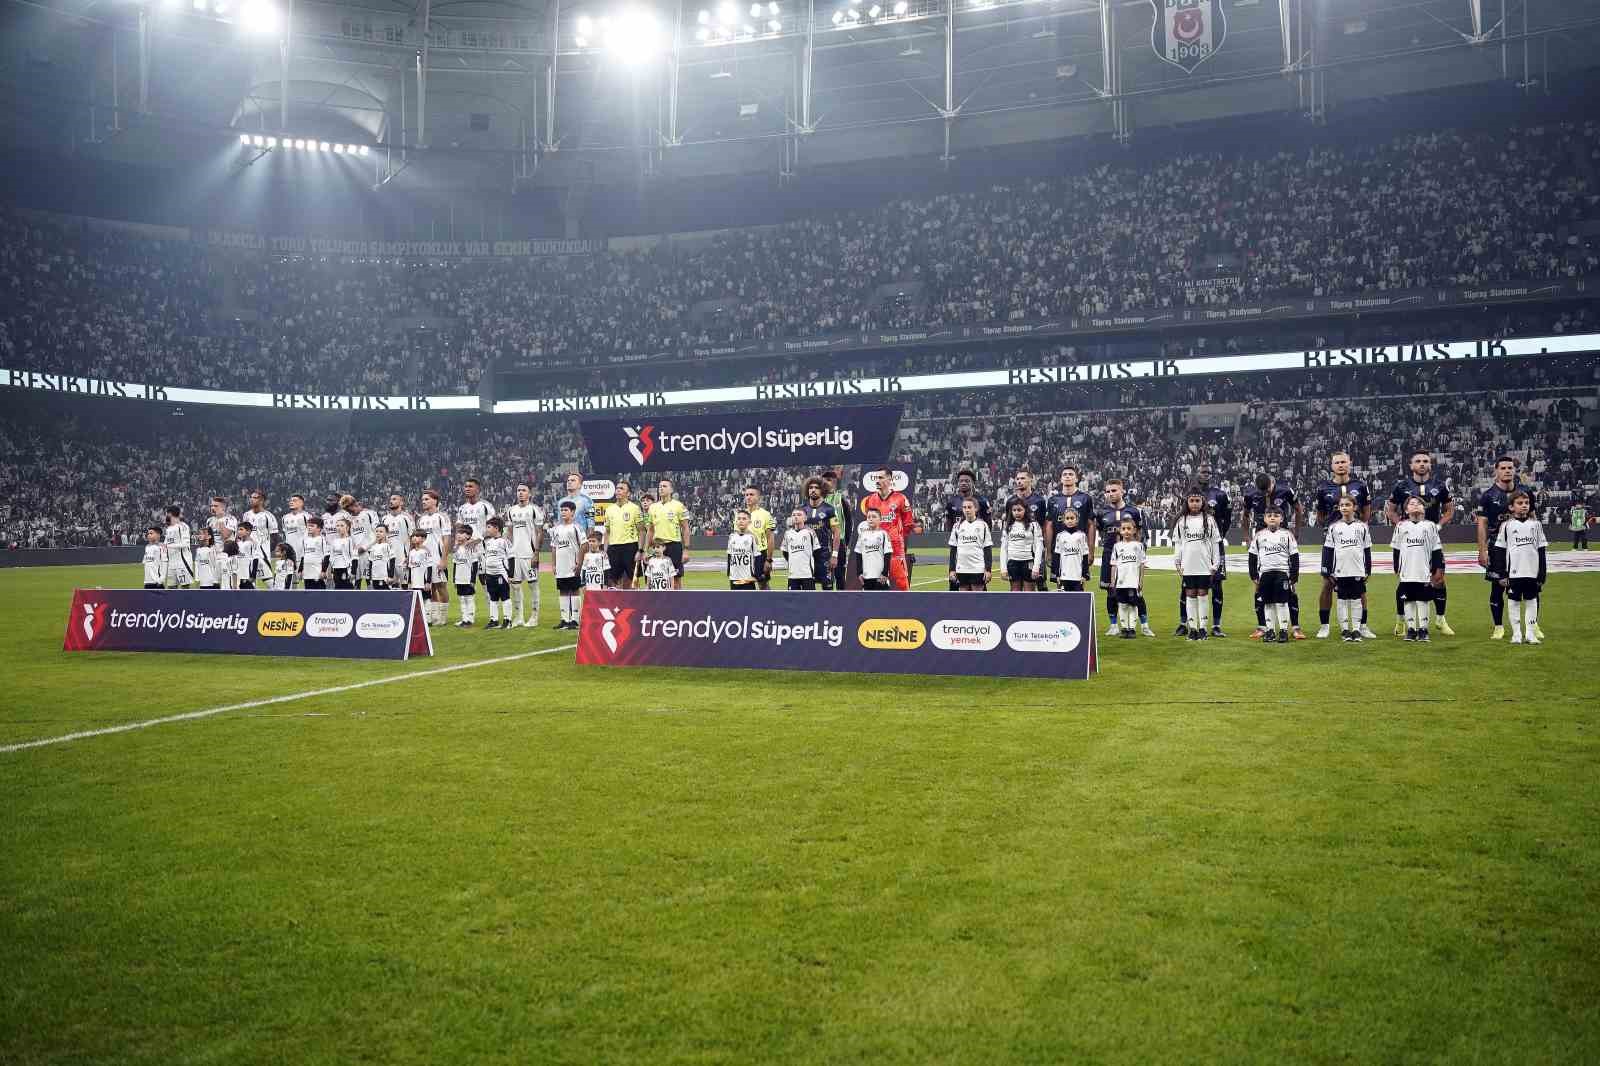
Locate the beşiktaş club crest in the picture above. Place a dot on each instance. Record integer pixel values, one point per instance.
(1186, 33)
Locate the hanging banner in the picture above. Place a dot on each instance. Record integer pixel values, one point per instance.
(815, 437)
(310, 624)
(1186, 33)
(966, 634)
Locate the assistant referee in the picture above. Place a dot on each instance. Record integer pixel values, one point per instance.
(622, 522)
(668, 525)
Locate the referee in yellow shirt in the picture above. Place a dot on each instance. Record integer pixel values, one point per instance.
(622, 523)
(669, 525)
(761, 526)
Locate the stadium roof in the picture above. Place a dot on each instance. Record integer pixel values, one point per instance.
(540, 93)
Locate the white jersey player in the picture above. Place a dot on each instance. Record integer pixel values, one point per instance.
(179, 571)
(434, 525)
(473, 511)
(293, 524)
(566, 545)
(524, 529)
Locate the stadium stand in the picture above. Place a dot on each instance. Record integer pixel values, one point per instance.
(1446, 207)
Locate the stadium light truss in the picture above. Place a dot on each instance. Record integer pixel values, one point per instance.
(302, 144)
(730, 22)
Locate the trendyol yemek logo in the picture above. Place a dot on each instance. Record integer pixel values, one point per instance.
(965, 634)
(641, 445)
(617, 629)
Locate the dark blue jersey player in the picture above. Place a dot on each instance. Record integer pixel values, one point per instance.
(1494, 507)
(1423, 484)
(1108, 520)
(965, 479)
(1325, 502)
(1268, 493)
(1068, 497)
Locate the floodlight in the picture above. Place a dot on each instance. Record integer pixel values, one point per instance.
(199, 5)
(258, 140)
(838, 17)
(338, 149)
(632, 36)
(365, 149)
(701, 34)
(323, 147)
(272, 142)
(585, 24)
(258, 16)
(727, 14)
(874, 11)
(773, 25)
(244, 138)
(704, 17)
(772, 8)
(901, 7)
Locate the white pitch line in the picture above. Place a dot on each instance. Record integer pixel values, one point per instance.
(128, 727)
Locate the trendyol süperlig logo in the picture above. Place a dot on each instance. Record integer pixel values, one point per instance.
(94, 619)
(641, 445)
(617, 629)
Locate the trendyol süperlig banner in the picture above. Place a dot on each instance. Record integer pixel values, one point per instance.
(1331, 362)
(309, 624)
(823, 436)
(975, 634)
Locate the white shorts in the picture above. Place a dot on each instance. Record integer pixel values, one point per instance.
(178, 573)
(525, 569)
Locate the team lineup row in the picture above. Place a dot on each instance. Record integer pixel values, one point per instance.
(350, 546)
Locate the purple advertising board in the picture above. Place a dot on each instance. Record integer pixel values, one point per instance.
(965, 634)
(309, 624)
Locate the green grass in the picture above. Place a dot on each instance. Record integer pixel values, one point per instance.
(1225, 852)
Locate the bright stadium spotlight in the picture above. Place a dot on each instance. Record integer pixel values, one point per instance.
(338, 149)
(727, 14)
(755, 11)
(772, 8)
(838, 17)
(259, 16)
(702, 34)
(901, 7)
(585, 30)
(244, 138)
(874, 11)
(631, 36)
(272, 142)
(258, 140)
(773, 25)
(323, 147)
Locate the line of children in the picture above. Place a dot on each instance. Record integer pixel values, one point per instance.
(1347, 555)
(1418, 567)
(1274, 568)
(1522, 541)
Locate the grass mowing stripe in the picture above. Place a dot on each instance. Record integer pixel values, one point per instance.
(189, 715)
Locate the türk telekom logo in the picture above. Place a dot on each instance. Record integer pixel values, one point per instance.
(641, 445)
(618, 628)
(94, 619)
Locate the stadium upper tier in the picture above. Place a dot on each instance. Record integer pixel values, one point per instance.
(1445, 208)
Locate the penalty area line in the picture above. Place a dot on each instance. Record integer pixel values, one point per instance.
(128, 727)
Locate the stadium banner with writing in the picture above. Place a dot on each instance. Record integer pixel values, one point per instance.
(310, 624)
(245, 240)
(825, 436)
(1331, 362)
(967, 634)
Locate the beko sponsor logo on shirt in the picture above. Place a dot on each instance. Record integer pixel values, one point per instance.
(189, 621)
(329, 624)
(965, 634)
(379, 626)
(1042, 636)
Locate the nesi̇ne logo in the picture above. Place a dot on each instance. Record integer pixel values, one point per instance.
(280, 624)
(641, 442)
(894, 634)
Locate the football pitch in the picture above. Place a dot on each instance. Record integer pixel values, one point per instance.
(1219, 852)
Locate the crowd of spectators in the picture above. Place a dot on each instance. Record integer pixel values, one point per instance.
(1442, 208)
(65, 482)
